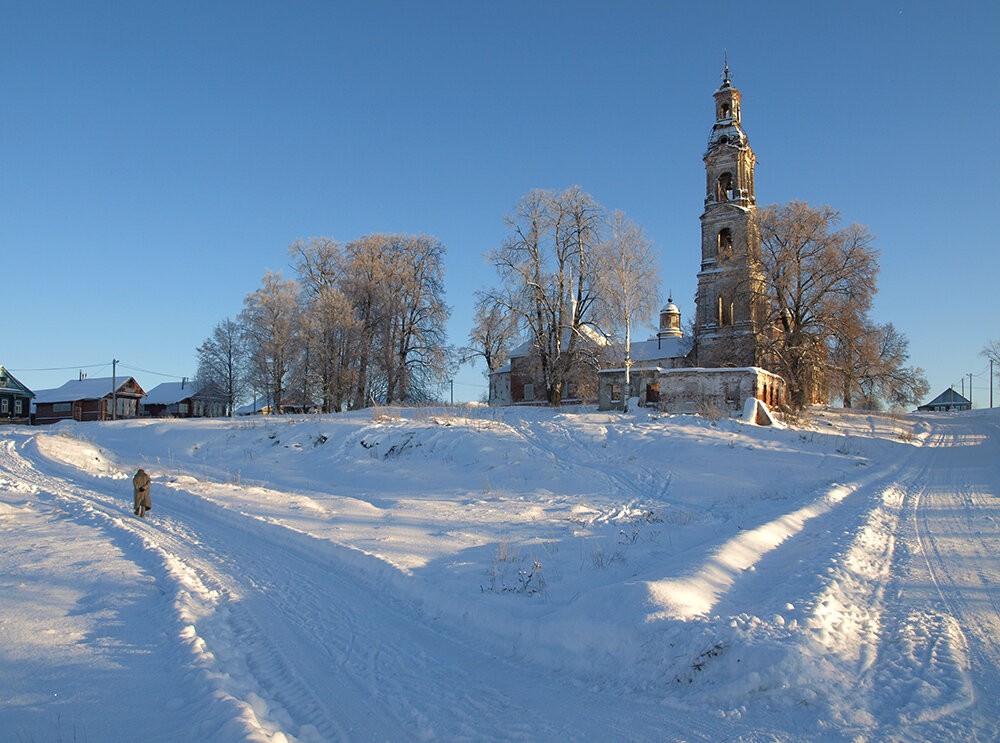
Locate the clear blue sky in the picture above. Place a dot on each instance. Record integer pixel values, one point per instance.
(157, 158)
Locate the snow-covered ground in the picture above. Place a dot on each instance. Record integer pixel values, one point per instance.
(488, 575)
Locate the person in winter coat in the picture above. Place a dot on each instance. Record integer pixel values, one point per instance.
(140, 492)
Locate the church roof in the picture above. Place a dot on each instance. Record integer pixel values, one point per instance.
(590, 335)
(660, 348)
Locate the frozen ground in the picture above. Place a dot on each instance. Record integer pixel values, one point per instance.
(482, 575)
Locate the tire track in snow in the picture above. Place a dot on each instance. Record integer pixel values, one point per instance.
(940, 648)
(309, 646)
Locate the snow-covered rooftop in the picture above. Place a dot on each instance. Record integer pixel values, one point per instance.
(82, 389)
(168, 393)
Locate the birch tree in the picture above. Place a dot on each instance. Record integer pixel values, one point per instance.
(630, 284)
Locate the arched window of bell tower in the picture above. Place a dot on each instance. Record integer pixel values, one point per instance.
(724, 111)
(724, 188)
(725, 244)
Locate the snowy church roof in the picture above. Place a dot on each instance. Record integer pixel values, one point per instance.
(660, 348)
(589, 335)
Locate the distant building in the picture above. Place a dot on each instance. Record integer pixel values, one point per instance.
(521, 382)
(100, 399)
(947, 401)
(722, 364)
(15, 399)
(185, 400)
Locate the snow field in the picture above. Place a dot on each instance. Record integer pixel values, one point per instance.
(341, 578)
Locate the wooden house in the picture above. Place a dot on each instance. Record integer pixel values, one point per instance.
(15, 399)
(101, 399)
(185, 400)
(948, 401)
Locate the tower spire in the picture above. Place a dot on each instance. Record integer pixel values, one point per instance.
(725, 72)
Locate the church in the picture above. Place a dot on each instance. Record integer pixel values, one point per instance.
(722, 365)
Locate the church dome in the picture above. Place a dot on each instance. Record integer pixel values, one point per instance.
(670, 320)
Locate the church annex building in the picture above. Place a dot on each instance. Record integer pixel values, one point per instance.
(722, 366)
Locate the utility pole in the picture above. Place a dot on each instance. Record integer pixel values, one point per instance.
(452, 391)
(991, 384)
(114, 389)
(970, 390)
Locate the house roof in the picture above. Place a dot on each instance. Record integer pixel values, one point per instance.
(9, 382)
(169, 393)
(948, 397)
(254, 407)
(86, 389)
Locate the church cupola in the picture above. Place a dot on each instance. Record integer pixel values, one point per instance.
(729, 159)
(670, 321)
(731, 301)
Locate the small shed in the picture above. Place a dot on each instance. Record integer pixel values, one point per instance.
(947, 401)
(99, 399)
(185, 400)
(15, 399)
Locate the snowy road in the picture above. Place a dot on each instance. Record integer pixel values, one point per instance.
(876, 601)
(307, 649)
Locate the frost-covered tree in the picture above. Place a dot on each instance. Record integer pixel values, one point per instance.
(868, 363)
(549, 266)
(821, 280)
(271, 320)
(630, 283)
(330, 332)
(373, 318)
(222, 359)
(493, 334)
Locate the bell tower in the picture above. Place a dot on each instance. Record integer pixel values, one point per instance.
(731, 302)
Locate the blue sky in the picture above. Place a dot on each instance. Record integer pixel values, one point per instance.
(156, 159)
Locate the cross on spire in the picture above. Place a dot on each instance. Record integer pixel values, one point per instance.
(725, 72)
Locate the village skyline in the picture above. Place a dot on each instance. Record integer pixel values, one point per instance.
(158, 161)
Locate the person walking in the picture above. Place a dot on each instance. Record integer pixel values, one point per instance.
(140, 492)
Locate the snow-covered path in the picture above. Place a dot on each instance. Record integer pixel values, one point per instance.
(293, 642)
(944, 593)
(866, 608)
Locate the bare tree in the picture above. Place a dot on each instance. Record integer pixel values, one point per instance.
(330, 332)
(630, 283)
(395, 284)
(992, 351)
(493, 333)
(336, 333)
(271, 318)
(222, 359)
(318, 262)
(870, 361)
(822, 281)
(549, 267)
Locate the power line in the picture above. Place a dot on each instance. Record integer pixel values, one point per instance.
(61, 368)
(147, 371)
